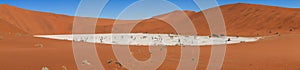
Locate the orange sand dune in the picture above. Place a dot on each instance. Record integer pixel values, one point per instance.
(6, 27)
(240, 19)
(19, 50)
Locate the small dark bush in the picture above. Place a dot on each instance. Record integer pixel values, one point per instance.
(110, 61)
(118, 63)
(291, 29)
(228, 39)
(215, 35)
(222, 35)
(277, 33)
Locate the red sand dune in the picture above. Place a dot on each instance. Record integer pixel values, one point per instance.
(19, 50)
(240, 19)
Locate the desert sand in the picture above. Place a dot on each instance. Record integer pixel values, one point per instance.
(19, 50)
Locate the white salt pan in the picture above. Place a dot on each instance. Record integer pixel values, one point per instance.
(151, 39)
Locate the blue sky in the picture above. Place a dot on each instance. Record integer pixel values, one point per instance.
(114, 7)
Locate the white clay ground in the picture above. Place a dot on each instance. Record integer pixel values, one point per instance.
(151, 39)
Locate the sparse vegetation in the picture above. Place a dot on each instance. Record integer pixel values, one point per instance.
(257, 34)
(228, 39)
(277, 33)
(222, 34)
(110, 61)
(193, 59)
(163, 47)
(291, 29)
(144, 37)
(242, 41)
(215, 35)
